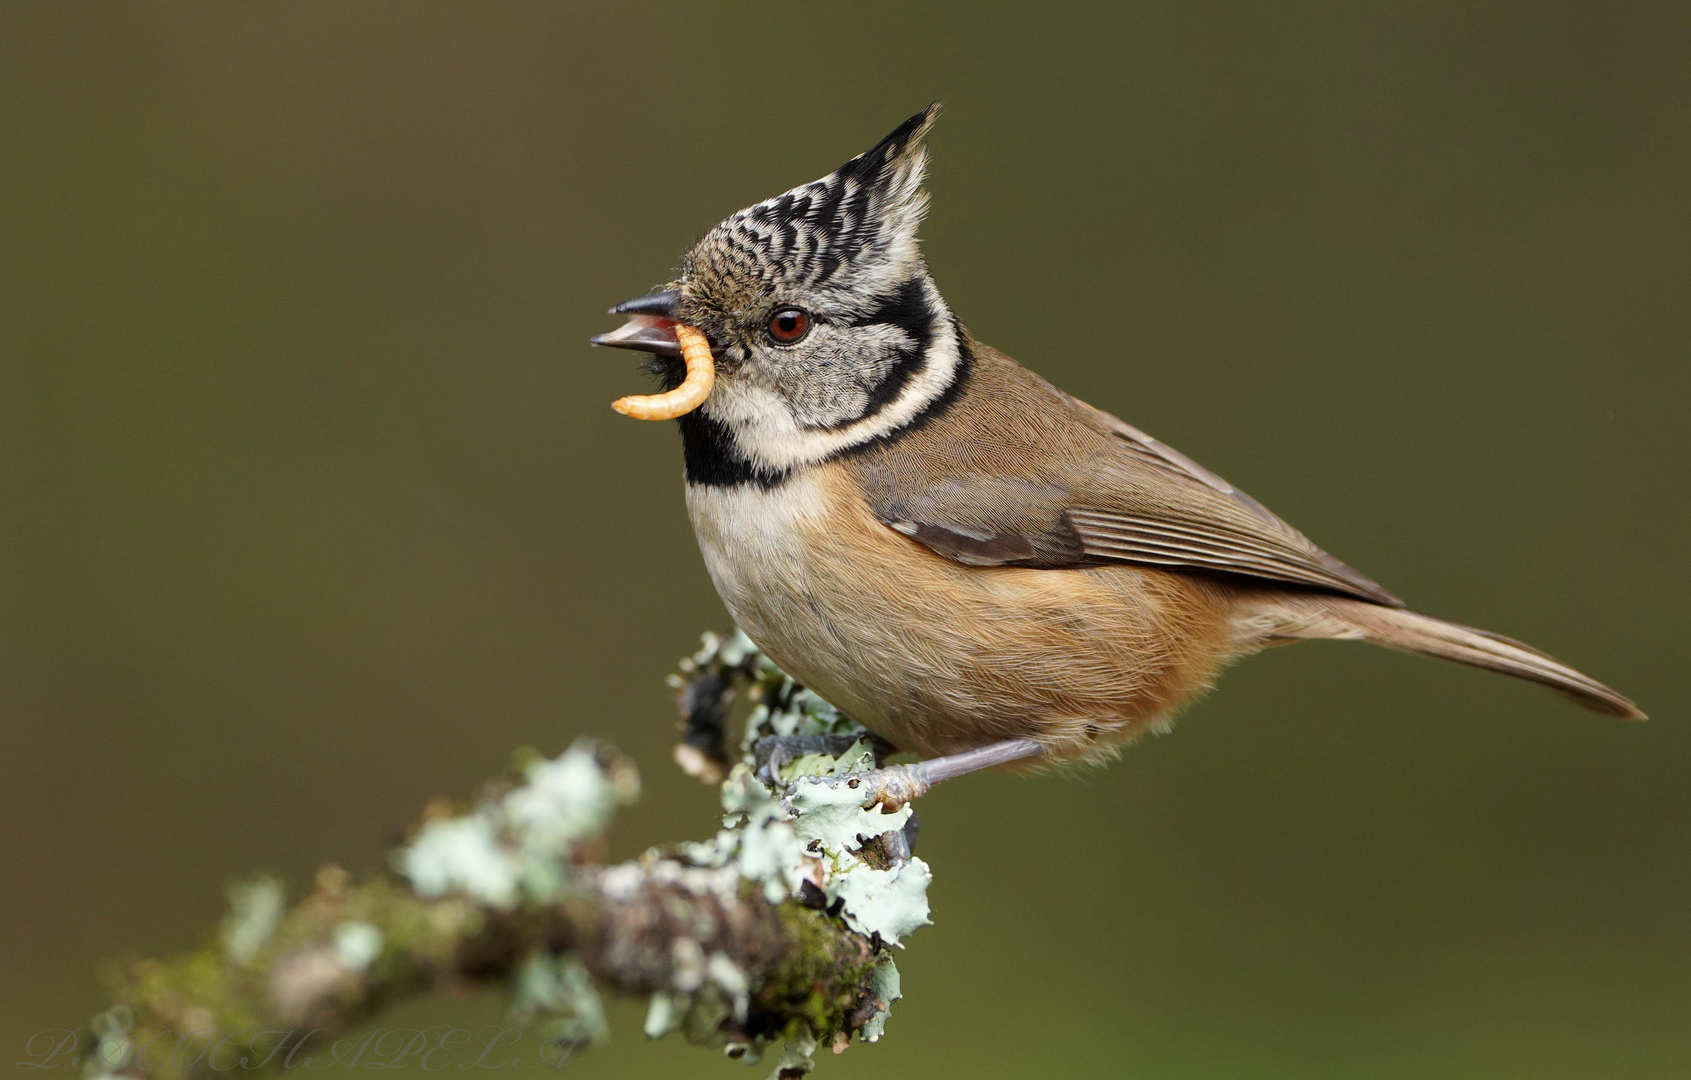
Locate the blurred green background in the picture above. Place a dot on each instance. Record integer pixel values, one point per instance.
(312, 505)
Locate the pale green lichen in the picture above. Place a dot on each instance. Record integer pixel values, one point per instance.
(884, 989)
(519, 846)
(733, 651)
(357, 944)
(833, 816)
(798, 1056)
(813, 831)
(663, 1015)
(255, 910)
(756, 838)
(567, 799)
(786, 708)
(515, 849)
(111, 1048)
(857, 758)
(463, 854)
(745, 800)
(892, 903)
(726, 976)
(560, 989)
(817, 834)
(772, 854)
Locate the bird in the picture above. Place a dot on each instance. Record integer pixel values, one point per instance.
(980, 568)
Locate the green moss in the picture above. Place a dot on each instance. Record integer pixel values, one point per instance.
(822, 978)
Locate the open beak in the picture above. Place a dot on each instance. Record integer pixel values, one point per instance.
(650, 327)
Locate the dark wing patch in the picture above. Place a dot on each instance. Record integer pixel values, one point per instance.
(980, 520)
(969, 546)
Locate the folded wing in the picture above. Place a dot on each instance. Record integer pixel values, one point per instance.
(1057, 483)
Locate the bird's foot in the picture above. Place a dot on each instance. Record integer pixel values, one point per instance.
(772, 753)
(890, 787)
(893, 786)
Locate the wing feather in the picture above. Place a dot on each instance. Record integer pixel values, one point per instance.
(1019, 473)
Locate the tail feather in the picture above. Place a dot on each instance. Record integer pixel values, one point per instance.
(1313, 616)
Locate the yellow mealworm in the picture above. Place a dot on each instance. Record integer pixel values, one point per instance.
(701, 376)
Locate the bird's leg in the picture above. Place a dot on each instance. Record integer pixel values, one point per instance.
(892, 786)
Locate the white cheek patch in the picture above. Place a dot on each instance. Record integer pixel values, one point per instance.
(773, 437)
(830, 382)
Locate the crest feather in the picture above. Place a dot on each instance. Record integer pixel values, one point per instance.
(861, 217)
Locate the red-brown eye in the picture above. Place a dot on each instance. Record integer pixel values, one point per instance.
(789, 326)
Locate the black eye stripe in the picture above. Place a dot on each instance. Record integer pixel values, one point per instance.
(908, 310)
(905, 308)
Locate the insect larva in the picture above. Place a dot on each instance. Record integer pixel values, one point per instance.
(701, 376)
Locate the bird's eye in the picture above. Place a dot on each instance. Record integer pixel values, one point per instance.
(789, 326)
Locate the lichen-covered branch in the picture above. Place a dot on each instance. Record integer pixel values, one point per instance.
(773, 933)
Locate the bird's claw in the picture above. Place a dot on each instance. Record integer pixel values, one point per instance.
(773, 753)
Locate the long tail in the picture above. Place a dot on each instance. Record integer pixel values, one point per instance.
(1315, 616)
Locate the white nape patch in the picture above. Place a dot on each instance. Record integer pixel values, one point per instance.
(768, 433)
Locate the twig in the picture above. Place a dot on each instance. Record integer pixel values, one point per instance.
(775, 932)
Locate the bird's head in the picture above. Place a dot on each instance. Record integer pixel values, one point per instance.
(826, 328)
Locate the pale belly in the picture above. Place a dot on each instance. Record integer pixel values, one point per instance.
(938, 657)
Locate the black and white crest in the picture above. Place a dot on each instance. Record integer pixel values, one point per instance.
(851, 233)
